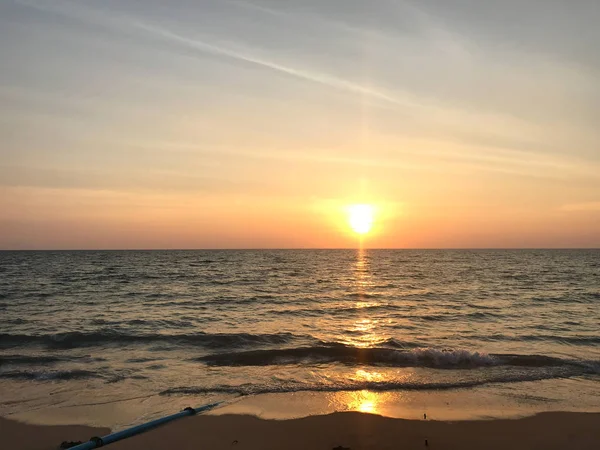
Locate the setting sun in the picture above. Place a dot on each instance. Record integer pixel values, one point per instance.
(360, 218)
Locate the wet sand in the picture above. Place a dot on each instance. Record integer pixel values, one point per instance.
(347, 430)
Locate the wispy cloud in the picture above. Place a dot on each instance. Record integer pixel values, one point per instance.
(126, 23)
(316, 77)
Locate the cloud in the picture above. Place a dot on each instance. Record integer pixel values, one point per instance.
(444, 108)
(126, 23)
(316, 77)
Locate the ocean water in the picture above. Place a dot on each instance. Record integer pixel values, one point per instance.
(97, 327)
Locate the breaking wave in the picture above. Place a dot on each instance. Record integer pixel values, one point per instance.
(342, 354)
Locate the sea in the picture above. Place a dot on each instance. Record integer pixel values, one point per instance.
(100, 332)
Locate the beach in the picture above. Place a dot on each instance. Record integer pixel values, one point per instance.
(349, 430)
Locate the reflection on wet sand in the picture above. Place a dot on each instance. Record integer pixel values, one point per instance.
(362, 401)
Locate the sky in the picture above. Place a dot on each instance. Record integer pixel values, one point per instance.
(254, 124)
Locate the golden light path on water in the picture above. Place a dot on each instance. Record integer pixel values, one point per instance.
(365, 334)
(364, 329)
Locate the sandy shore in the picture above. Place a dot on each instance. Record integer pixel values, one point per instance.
(21, 436)
(352, 430)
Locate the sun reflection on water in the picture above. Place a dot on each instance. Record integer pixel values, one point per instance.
(362, 274)
(364, 331)
(366, 375)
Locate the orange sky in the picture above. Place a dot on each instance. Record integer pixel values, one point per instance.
(228, 125)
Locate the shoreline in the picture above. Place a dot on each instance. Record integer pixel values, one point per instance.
(347, 430)
(98, 406)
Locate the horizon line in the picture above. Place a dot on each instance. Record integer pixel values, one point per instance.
(282, 248)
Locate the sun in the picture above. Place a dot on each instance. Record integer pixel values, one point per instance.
(360, 218)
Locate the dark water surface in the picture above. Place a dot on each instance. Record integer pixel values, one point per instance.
(176, 323)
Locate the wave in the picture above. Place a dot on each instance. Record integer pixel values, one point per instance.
(341, 354)
(142, 360)
(571, 340)
(17, 321)
(276, 386)
(459, 315)
(378, 386)
(75, 339)
(18, 359)
(320, 311)
(202, 262)
(34, 360)
(57, 375)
